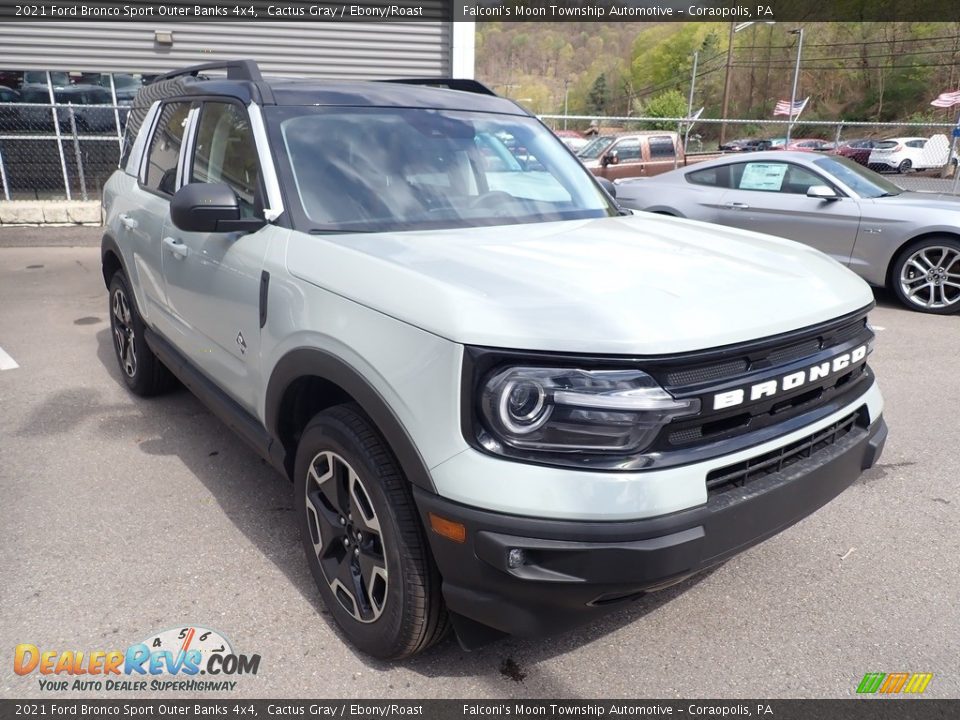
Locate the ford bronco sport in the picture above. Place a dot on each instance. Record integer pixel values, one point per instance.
(505, 403)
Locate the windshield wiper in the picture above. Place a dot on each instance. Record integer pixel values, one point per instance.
(336, 231)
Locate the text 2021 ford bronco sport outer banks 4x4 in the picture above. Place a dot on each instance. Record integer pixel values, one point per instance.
(504, 402)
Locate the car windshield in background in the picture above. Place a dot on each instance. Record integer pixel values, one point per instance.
(384, 169)
(864, 182)
(595, 148)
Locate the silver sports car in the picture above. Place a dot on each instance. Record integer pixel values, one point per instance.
(906, 241)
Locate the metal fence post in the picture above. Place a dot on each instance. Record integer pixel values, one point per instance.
(3, 178)
(56, 127)
(116, 113)
(76, 151)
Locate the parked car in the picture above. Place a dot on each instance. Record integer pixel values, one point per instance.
(39, 77)
(907, 241)
(77, 99)
(910, 153)
(572, 139)
(857, 150)
(809, 145)
(499, 411)
(638, 154)
(9, 117)
(746, 145)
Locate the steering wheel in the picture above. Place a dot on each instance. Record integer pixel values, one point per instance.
(491, 200)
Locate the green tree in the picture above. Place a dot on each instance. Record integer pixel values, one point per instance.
(668, 104)
(599, 96)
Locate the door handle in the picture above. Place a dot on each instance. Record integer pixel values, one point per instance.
(128, 222)
(737, 206)
(177, 248)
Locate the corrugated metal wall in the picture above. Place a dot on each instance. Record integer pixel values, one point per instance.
(363, 50)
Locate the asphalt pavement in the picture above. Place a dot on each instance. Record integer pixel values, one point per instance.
(123, 517)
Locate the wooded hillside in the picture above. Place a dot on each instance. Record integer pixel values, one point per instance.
(851, 71)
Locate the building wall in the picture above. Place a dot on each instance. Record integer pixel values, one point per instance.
(361, 51)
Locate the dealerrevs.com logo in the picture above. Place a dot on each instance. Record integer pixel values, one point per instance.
(171, 660)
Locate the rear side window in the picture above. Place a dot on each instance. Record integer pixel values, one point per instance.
(661, 147)
(712, 177)
(225, 152)
(164, 152)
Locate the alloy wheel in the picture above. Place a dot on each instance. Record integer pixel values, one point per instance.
(346, 536)
(930, 277)
(123, 332)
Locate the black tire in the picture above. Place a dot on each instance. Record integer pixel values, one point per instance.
(391, 615)
(920, 273)
(905, 166)
(142, 371)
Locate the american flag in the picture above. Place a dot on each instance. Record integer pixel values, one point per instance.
(783, 107)
(947, 99)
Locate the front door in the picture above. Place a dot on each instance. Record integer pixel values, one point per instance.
(771, 197)
(213, 279)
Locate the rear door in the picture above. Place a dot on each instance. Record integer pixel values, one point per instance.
(141, 214)
(213, 279)
(661, 152)
(770, 197)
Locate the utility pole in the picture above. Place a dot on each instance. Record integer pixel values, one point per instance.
(726, 85)
(566, 95)
(796, 78)
(693, 83)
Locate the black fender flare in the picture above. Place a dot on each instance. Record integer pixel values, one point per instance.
(303, 362)
(109, 245)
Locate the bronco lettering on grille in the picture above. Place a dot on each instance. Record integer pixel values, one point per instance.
(768, 388)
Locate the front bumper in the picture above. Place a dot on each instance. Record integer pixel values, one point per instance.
(572, 569)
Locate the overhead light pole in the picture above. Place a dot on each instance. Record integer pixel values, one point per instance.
(796, 79)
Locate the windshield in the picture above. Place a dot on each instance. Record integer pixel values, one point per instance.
(595, 148)
(865, 183)
(383, 169)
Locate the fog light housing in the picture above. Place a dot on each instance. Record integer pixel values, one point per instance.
(516, 557)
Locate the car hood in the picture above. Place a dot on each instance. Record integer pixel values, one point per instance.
(625, 285)
(921, 200)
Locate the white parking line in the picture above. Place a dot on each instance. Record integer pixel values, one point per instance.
(7, 362)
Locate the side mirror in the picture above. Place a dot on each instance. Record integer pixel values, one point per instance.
(822, 192)
(608, 185)
(210, 208)
(611, 158)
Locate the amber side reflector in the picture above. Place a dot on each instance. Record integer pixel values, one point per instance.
(448, 528)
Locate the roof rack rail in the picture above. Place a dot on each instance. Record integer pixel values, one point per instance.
(236, 70)
(464, 85)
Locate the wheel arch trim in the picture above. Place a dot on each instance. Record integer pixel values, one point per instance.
(313, 362)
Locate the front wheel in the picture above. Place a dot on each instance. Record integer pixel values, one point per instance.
(904, 167)
(926, 276)
(363, 539)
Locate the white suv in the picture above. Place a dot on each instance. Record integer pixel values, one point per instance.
(505, 403)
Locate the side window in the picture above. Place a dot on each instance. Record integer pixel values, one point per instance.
(916, 143)
(661, 147)
(798, 180)
(164, 152)
(712, 177)
(225, 152)
(628, 150)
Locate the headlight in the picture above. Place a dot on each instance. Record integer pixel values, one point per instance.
(568, 410)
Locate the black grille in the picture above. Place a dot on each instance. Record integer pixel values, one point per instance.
(708, 373)
(769, 355)
(738, 475)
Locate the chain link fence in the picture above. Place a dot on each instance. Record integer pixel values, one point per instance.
(58, 151)
(914, 155)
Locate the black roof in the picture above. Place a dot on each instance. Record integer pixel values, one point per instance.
(245, 83)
